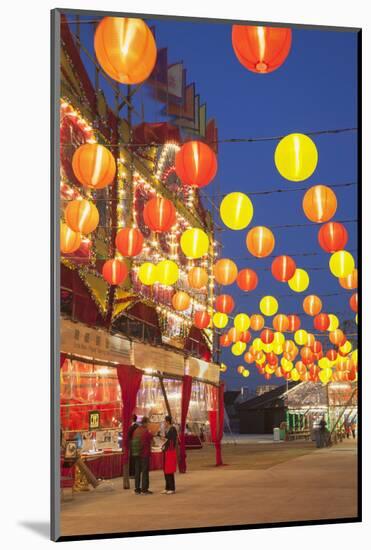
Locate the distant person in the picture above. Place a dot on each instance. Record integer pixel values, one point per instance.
(353, 428)
(140, 450)
(133, 426)
(170, 456)
(322, 432)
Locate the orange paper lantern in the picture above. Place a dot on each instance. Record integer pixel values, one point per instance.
(94, 166)
(353, 302)
(256, 322)
(245, 336)
(125, 49)
(280, 323)
(225, 272)
(337, 337)
(306, 355)
(260, 241)
(332, 236)
(201, 319)
(261, 49)
(224, 303)
(319, 203)
(312, 305)
(82, 216)
(114, 271)
(129, 241)
(294, 323)
(351, 281)
(247, 279)
(225, 341)
(234, 334)
(197, 277)
(196, 164)
(181, 300)
(159, 214)
(70, 241)
(283, 268)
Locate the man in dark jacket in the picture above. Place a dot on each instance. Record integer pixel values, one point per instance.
(140, 450)
(132, 428)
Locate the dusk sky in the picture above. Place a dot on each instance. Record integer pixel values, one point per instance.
(315, 89)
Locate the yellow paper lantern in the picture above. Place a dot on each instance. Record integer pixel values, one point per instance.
(325, 375)
(277, 348)
(295, 376)
(257, 344)
(246, 373)
(300, 280)
(242, 322)
(341, 263)
(286, 364)
(301, 337)
(346, 347)
(356, 318)
(236, 211)
(324, 363)
(355, 357)
(278, 338)
(334, 322)
(223, 367)
(260, 359)
(267, 348)
(167, 272)
(194, 243)
(240, 369)
(268, 306)
(269, 369)
(147, 274)
(238, 348)
(220, 320)
(296, 157)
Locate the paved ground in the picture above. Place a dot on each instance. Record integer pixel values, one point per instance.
(261, 483)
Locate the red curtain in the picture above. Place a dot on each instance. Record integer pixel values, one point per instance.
(130, 379)
(62, 358)
(186, 396)
(216, 419)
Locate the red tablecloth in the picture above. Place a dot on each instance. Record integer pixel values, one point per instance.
(110, 466)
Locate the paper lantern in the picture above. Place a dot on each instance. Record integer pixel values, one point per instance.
(278, 338)
(260, 241)
(257, 344)
(346, 348)
(334, 322)
(94, 165)
(286, 365)
(236, 211)
(196, 164)
(224, 303)
(225, 341)
(129, 241)
(296, 157)
(294, 323)
(315, 346)
(114, 271)
(319, 204)
(321, 321)
(223, 367)
(295, 376)
(301, 337)
(332, 236)
(269, 368)
(306, 355)
(341, 263)
(271, 358)
(238, 348)
(202, 319)
(280, 322)
(324, 363)
(125, 49)
(351, 281)
(260, 357)
(267, 336)
(261, 49)
(300, 367)
(311, 340)
(355, 357)
(245, 336)
(331, 355)
(167, 272)
(197, 277)
(242, 322)
(181, 300)
(283, 268)
(70, 241)
(249, 357)
(194, 243)
(325, 376)
(82, 216)
(234, 334)
(312, 305)
(246, 373)
(159, 214)
(256, 322)
(353, 302)
(300, 280)
(220, 320)
(240, 369)
(147, 273)
(225, 271)
(337, 337)
(268, 305)
(247, 280)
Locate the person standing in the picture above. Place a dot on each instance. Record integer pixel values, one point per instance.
(353, 427)
(134, 425)
(170, 456)
(322, 432)
(140, 449)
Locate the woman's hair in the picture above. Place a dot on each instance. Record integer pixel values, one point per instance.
(168, 419)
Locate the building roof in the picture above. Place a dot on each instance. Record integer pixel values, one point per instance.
(230, 396)
(266, 398)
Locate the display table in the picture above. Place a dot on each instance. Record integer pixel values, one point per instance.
(192, 441)
(110, 465)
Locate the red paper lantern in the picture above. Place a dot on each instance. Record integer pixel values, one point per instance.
(271, 358)
(247, 279)
(316, 347)
(114, 271)
(294, 323)
(283, 268)
(196, 164)
(159, 214)
(245, 336)
(332, 354)
(261, 49)
(321, 321)
(332, 236)
(280, 322)
(201, 319)
(312, 305)
(129, 241)
(306, 355)
(353, 302)
(224, 303)
(225, 341)
(268, 376)
(267, 336)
